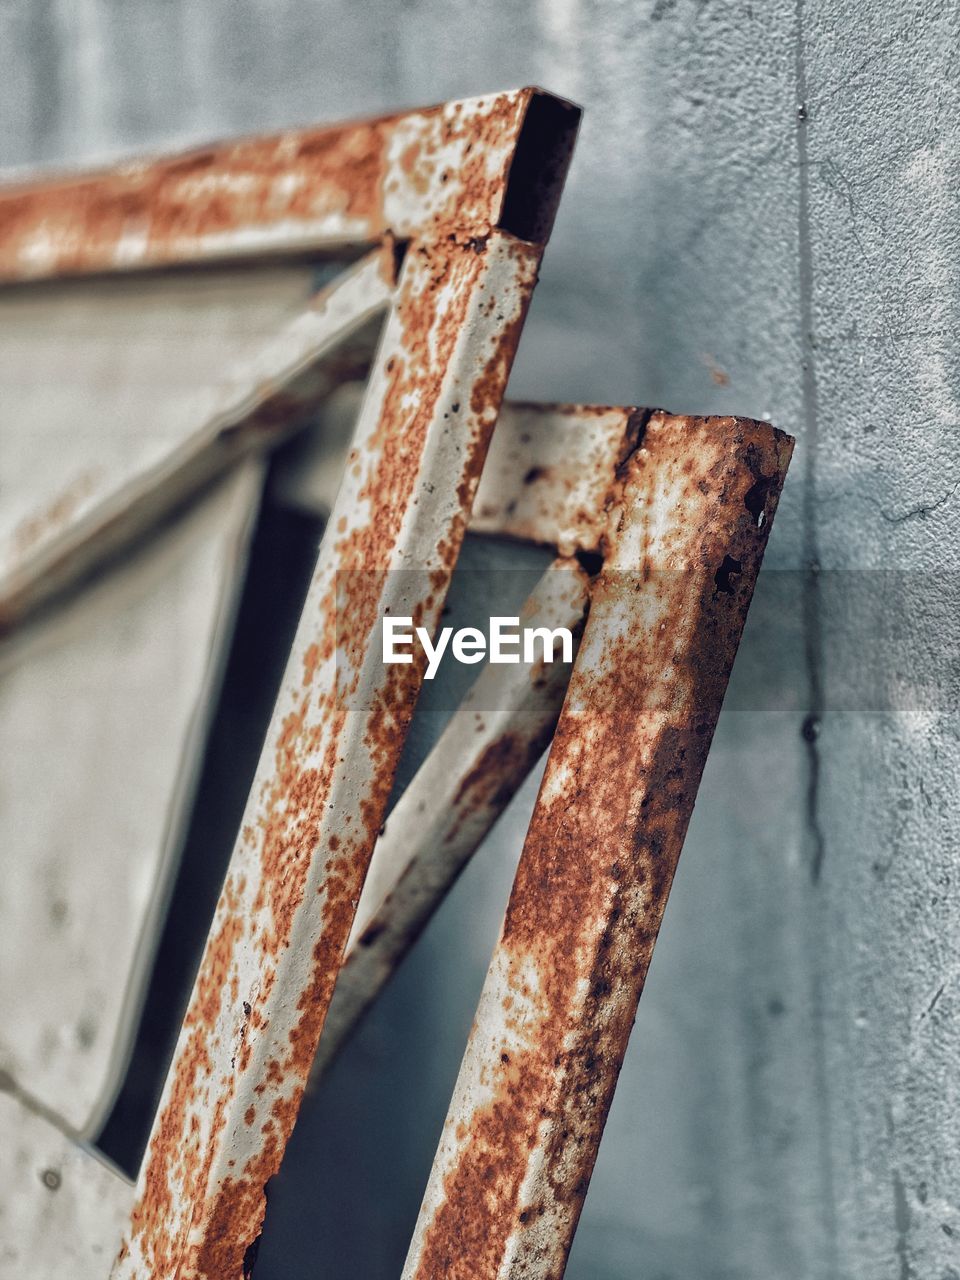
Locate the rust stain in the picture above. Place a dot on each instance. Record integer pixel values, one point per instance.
(175, 1158)
(497, 760)
(602, 848)
(554, 473)
(719, 376)
(491, 783)
(206, 193)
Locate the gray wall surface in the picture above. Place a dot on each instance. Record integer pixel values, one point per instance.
(762, 217)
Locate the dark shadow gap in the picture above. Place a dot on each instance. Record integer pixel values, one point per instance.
(282, 560)
(539, 167)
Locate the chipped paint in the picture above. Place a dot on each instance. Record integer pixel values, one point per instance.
(682, 549)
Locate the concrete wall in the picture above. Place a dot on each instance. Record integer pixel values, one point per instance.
(762, 217)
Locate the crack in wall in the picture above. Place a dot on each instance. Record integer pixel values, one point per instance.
(811, 606)
(921, 512)
(813, 646)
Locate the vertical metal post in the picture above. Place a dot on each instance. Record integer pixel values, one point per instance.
(683, 547)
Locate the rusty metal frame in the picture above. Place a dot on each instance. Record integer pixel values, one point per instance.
(463, 196)
(675, 511)
(324, 778)
(550, 477)
(457, 170)
(494, 738)
(471, 188)
(550, 474)
(679, 510)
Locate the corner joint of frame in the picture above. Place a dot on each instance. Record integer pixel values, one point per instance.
(539, 167)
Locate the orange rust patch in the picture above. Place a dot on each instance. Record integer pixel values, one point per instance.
(329, 182)
(169, 204)
(176, 1165)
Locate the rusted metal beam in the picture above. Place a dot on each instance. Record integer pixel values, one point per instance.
(464, 167)
(546, 479)
(683, 546)
(549, 474)
(255, 408)
(493, 740)
(318, 799)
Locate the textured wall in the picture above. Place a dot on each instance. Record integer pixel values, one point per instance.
(762, 217)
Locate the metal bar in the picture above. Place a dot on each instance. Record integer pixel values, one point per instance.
(318, 799)
(495, 737)
(546, 479)
(549, 473)
(257, 408)
(684, 546)
(302, 191)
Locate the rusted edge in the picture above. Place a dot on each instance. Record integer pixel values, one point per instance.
(681, 554)
(461, 168)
